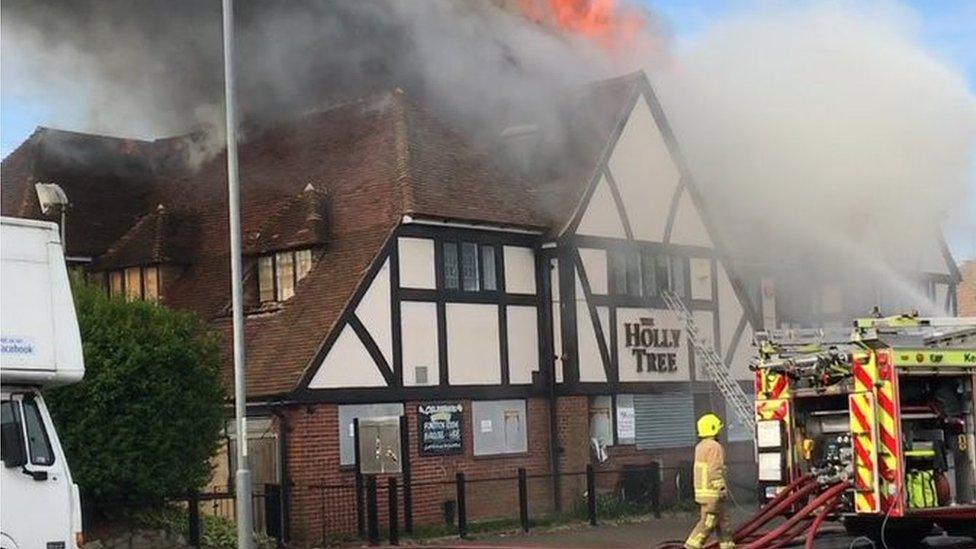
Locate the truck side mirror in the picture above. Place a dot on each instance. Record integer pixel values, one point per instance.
(13, 448)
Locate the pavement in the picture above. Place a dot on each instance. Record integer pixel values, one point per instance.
(647, 533)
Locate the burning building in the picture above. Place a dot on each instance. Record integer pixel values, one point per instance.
(393, 264)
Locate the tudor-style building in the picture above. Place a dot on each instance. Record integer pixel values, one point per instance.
(390, 264)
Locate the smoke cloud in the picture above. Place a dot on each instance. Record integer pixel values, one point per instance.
(829, 141)
(154, 68)
(824, 137)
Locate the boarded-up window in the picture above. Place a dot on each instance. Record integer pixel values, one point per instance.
(303, 263)
(266, 287)
(150, 282)
(133, 283)
(116, 283)
(285, 275)
(499, 427)
(278, 274)
(349, 412)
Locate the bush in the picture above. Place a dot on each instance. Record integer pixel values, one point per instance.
(145, 421)
(215, 532)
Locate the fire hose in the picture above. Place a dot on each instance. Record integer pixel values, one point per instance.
(799, 526)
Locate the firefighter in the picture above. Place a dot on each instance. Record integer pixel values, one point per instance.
(710, 491)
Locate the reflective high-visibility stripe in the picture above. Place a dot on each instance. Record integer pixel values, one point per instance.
(888, 436)
(864, 443)
(710, 488)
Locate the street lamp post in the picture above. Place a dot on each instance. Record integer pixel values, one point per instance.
(243, 475)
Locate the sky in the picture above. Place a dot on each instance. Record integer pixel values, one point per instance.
(946, 27)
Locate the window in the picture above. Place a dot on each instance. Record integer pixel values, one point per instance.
(39, 447)
(10, 415)
(279, 273)
(471, 270)
(451, 275)
(347, 436)
(642, 273)
(649, 267)
(626, 265)
(499, 427)
(133, 283)
(488, 266)
(469, 267)
(38, 443)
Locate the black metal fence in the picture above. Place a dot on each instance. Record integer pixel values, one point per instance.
(374, 508)
(389, 507)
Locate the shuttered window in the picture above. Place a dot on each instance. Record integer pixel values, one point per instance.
(665, 420)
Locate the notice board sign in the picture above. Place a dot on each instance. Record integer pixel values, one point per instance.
(440, 428)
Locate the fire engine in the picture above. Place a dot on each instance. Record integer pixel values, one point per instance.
(875, 423)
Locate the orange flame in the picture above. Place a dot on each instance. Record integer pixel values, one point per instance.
(607, 22)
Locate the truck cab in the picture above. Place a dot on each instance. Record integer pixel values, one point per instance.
(40, 348)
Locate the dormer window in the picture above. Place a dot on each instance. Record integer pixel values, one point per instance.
(279, 273)
(132, 282)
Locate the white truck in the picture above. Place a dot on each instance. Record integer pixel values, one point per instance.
(41, 348)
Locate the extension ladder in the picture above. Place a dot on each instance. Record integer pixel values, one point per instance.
(735, 398)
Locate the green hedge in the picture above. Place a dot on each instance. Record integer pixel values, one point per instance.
(145, 421)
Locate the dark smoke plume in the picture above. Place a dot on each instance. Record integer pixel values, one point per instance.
(154, 68)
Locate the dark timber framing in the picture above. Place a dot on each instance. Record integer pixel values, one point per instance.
(396, 390)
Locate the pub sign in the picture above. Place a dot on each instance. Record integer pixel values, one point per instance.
(651, 346)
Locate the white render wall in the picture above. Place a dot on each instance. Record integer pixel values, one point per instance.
(523, 343)
(645, 174)
(601, 217)
(374, 311)
(519, 270)
(418, 325)
(347, 364)
(416, 263)
(472, 344)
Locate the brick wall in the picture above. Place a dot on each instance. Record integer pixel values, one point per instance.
(573, 443)
(323, 502)
(966, 292)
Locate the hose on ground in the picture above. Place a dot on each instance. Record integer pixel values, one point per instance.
(818, 522)
(826, 496)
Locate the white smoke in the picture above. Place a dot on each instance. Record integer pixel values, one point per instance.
(825, 137)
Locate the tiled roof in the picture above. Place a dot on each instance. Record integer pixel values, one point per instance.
(339, 179)
(299, 223)
(158, 237)
(110, 176)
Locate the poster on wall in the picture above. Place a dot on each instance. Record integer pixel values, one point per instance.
(626, 425)
(440, 428)
(651, 346)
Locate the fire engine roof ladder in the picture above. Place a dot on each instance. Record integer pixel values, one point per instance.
(735, 397)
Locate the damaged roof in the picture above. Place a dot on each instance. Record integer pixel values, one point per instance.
(339, 180)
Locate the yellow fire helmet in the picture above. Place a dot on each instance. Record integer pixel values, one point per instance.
(709, 425)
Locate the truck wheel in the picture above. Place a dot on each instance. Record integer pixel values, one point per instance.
(897, 533)
(965, 528)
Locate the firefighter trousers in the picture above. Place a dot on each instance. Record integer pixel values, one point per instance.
(713, 519)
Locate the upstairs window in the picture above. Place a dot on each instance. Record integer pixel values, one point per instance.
(645, 274)
(134, 283)
(469, 267)
(279, 273)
